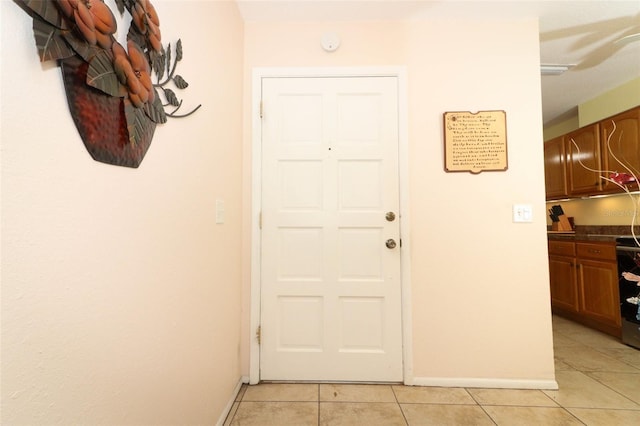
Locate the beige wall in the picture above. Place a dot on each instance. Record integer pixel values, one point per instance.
(621, 98)
(477, 318)
(561, 127)
(612, 102)
(120, 295)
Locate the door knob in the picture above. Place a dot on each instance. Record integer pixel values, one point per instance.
(391, 243)
(390, 216)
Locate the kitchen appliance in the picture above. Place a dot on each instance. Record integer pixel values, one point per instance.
(628, 255)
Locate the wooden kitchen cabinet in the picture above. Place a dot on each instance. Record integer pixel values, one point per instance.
(562, 276)
(598, 285)
(584, 160)
(621, 148)
(565, 176)
(584, 283)
(555, 168)
(598, 290)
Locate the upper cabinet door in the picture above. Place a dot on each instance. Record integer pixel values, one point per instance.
(620, 137)
(584, 160)
(555, 171)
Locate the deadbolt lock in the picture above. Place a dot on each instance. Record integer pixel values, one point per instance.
(390, 216)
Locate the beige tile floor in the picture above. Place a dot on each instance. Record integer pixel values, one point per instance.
(599, 380)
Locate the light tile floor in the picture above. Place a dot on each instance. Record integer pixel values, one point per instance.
(599, 380)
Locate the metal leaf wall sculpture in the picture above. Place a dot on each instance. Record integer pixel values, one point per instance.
(112, 99)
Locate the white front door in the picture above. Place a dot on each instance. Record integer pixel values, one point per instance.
(330, 274)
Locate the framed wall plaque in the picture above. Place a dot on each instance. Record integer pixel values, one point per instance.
(475, 142)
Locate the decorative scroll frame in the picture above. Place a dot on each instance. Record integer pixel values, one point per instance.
(475, 142)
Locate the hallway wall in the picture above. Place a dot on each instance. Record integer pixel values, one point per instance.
(120, 294)
(479, 282)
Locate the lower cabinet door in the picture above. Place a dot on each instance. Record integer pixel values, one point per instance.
(599, 294)
(564, 289)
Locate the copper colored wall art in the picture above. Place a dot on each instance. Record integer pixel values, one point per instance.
(113, 101)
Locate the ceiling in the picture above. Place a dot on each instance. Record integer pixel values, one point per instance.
(571, 32)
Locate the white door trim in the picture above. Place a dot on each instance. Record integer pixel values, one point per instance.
(256, 185)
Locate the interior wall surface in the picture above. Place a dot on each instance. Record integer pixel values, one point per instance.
(612, 102)
(478, 318)
(561, 128)
(121, 295)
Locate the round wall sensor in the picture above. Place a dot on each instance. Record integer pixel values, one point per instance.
(330, 42)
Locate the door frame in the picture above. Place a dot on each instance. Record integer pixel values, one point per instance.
(256, 200)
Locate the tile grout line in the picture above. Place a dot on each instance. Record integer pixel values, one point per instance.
(571, 414)
(395, 396)
(586, 373)
(602, 350)
(480, 405)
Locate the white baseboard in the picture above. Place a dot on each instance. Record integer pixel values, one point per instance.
(464, 382)
(232, 400)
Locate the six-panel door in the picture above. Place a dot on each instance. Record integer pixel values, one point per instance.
(330, 274)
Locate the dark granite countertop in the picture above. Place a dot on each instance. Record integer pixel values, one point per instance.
(582, 237)
(594, 233)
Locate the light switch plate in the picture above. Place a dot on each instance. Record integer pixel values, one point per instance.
(522, 213)
(219, 211)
